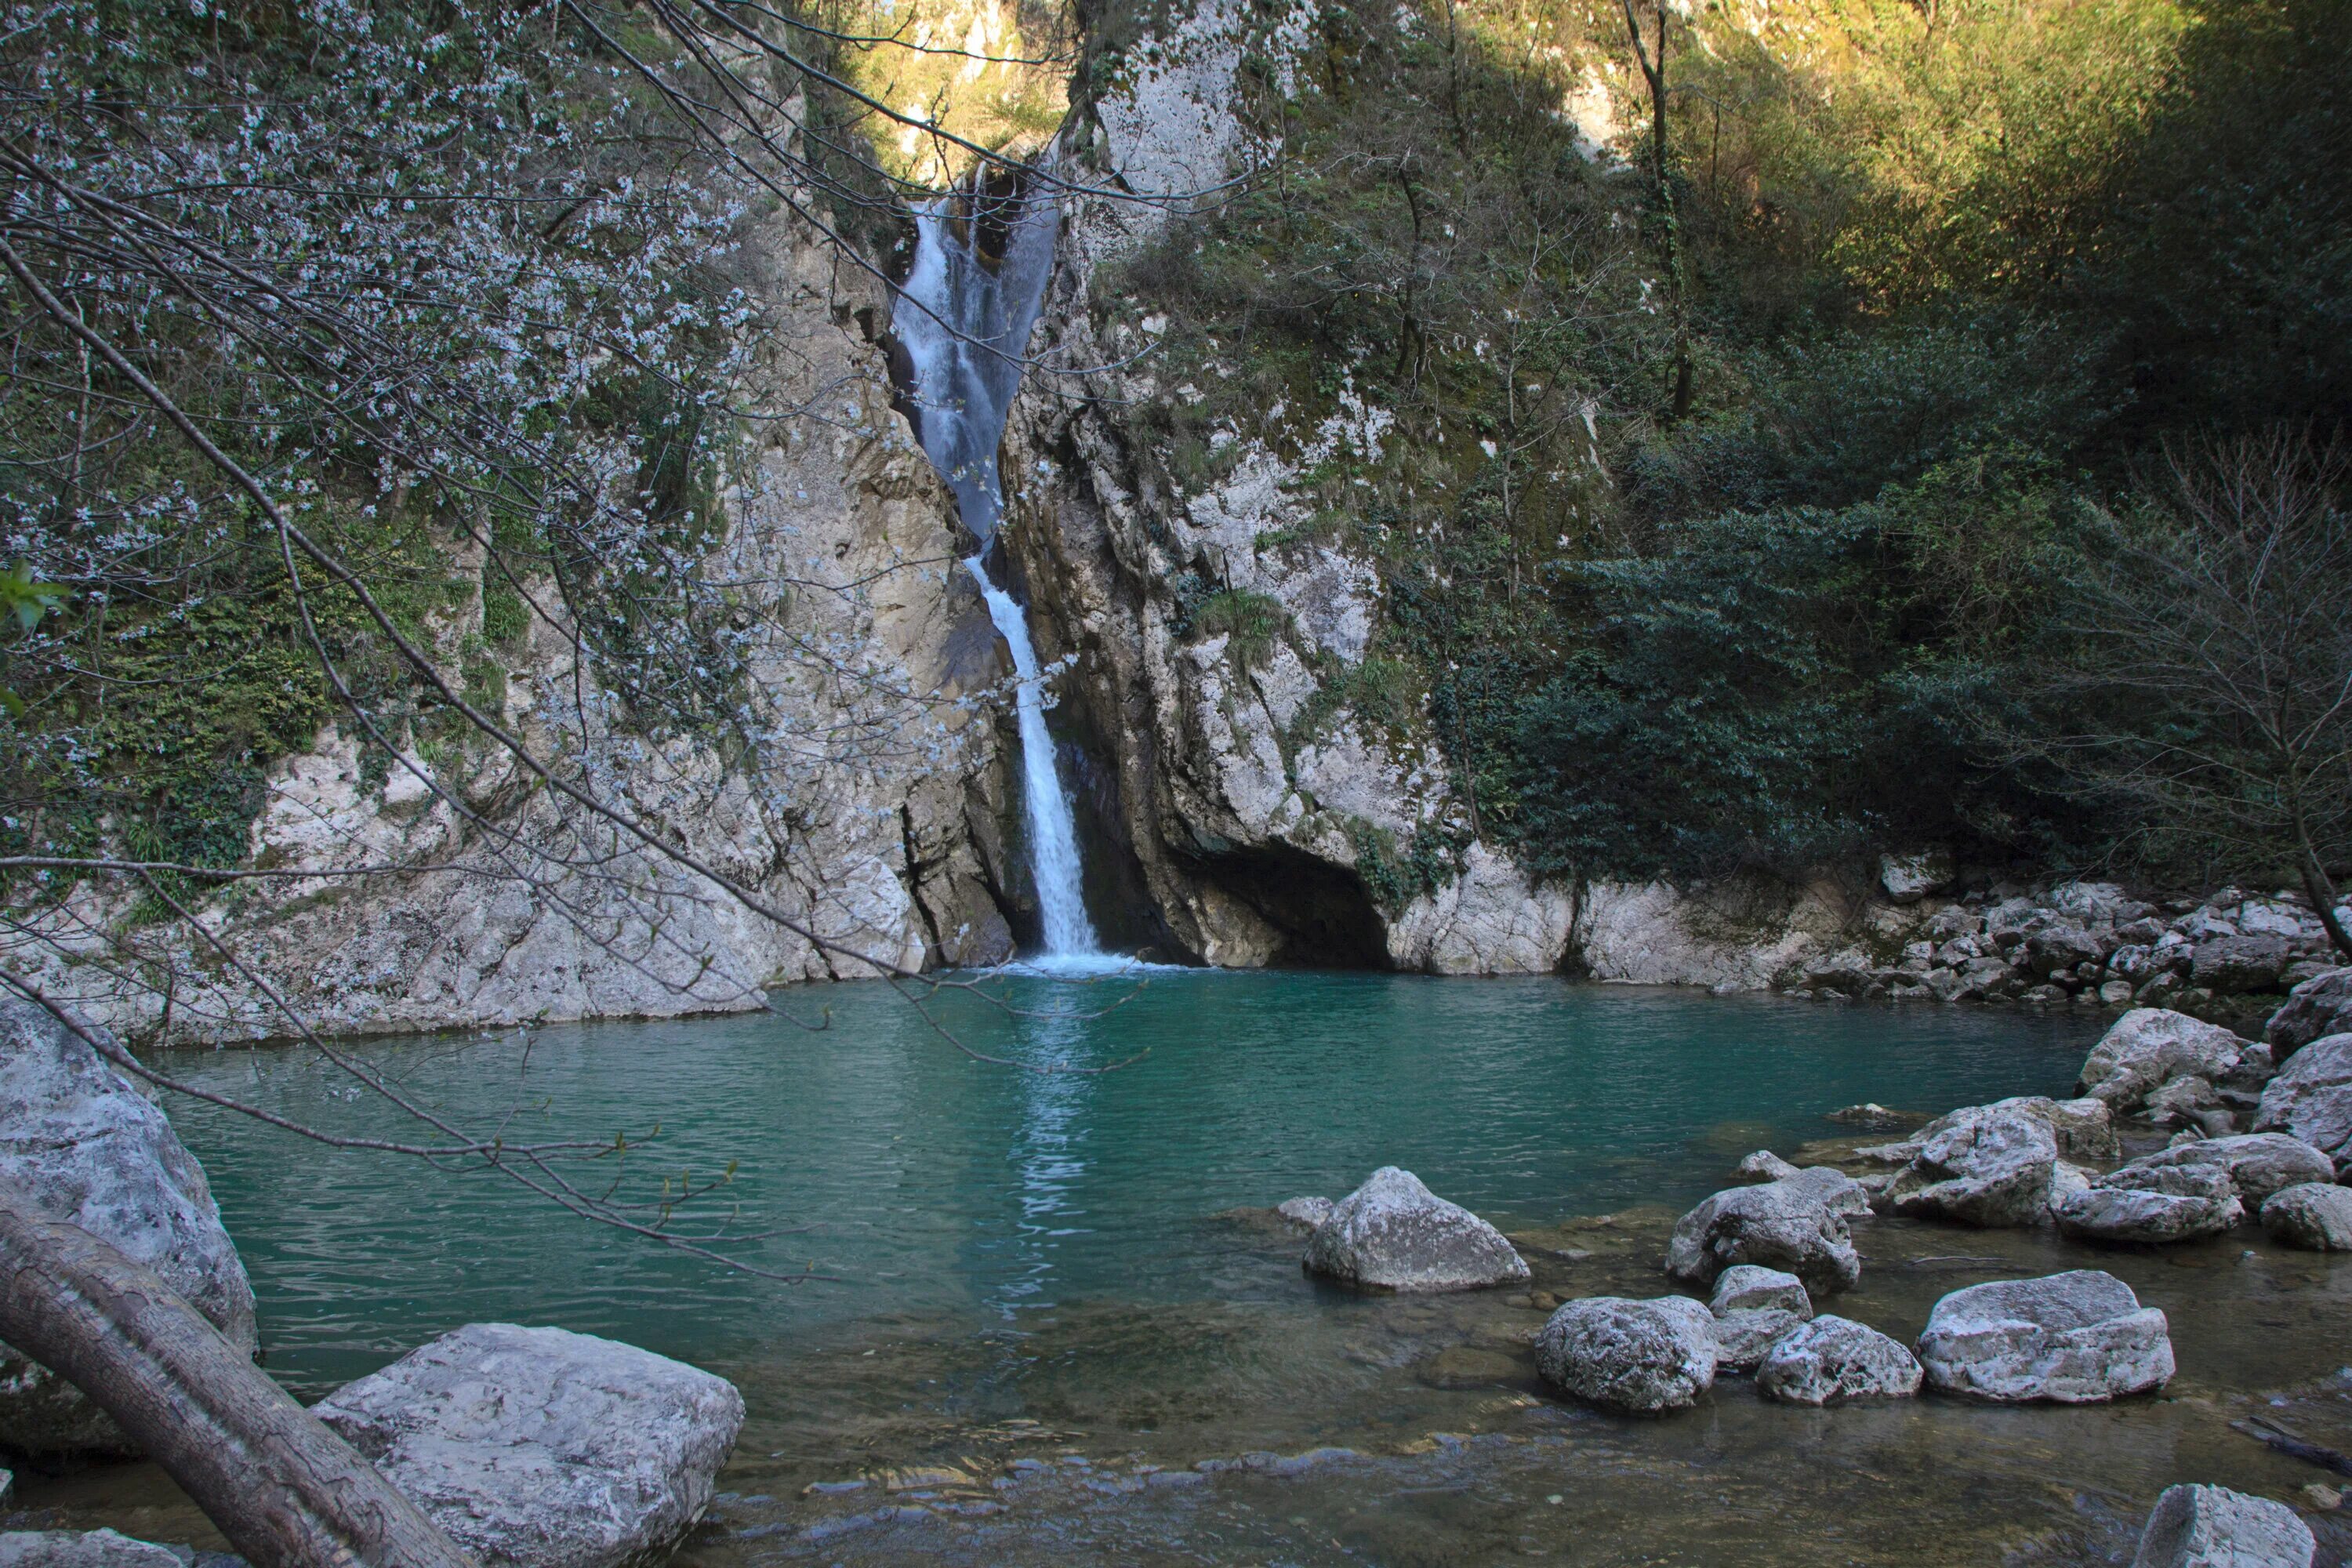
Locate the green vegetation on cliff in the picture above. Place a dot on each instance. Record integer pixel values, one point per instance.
(1959, 288)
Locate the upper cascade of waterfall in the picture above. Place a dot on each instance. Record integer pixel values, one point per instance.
(964, 317)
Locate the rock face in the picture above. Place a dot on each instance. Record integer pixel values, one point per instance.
(2316, 1217)
(95, 1153)
(1640, 1357)
(2257, 1163)
(1985, 1165)
(2152, 1203)
(80, 1549)
(2320, 1006)
(2073, 1339)
(2214, 1526)
(2311, 1099)
(1832, 1360)
(540, 1448)
(1395, 1234)
(2150, 1047)
(1797, 1224)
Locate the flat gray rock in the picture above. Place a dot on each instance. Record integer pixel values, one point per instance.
(1745, 1287)
(2316, 1217)
(1833, 1360)
(2214, 1526)
(2072, 1339)
(2257, 1163)
(1744, 1335)
(85, 1549)
(1395, 1234)
(2234, 965)
(2149, 1047)
(2311, 1099)
(2152, 1204)
(1797, 1224)
(2320, 1006)
(1983, 1166)
(95, 1152)
(1640, 1357)
(542, 1448)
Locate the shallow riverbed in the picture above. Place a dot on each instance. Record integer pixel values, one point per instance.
(1055, 1325)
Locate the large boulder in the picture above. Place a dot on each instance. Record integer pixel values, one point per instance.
(2214, 1526)
(1984, 1165)
(94, 1151)
(2072, 1339)
(2320, 1006)
(2316, 1217)
(1832, 1360)
(1798, 1224)
(2234, 966)
(2151, 1204)
(542, 1448)
(2148, 1047)
(2311, 1099)
(83, 1549)
(1640, 1357)
(1393, 1234)
(2257, 1163)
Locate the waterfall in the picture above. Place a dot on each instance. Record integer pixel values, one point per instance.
(963, 344)
(1053, 833)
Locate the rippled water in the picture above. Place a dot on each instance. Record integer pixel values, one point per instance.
(1054, 1314)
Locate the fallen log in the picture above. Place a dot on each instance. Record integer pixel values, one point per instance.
(2270, 1433)
(287, 1491)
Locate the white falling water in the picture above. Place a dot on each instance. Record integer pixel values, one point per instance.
(1053, 834)
(964, 336)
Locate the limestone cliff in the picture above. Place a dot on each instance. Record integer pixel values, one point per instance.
(855, 791)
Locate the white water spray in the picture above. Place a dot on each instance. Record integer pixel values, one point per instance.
(964, 340)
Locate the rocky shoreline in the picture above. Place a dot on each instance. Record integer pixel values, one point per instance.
(2233, 954)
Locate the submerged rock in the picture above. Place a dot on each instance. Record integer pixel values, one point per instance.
(94, 1151)
(2073, 1339)
(1306, 1213)
(2147, 1048)
(2214, 1526)
(1641, 1357)
(1798, 1223)
(1983, 1166)
(2152, 1203)
(1833, 1360)
(542, 1448)
(2316, 1217)
(2257, 1163)
(85, 1549)
(2311, 1099)
(2320, 1006)
(1395, 1234)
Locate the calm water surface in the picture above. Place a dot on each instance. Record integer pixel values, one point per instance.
(1054, 1322)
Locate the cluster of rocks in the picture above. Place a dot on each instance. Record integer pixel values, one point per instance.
(532, 1448)
(2084, 944)
(2071, 1338)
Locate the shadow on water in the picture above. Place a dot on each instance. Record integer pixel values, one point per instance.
(1063, 1327)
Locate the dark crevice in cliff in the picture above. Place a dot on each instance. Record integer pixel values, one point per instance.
(1325, 912)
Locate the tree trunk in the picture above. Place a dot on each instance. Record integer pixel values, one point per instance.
(2322, 891)
(286, 1492)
